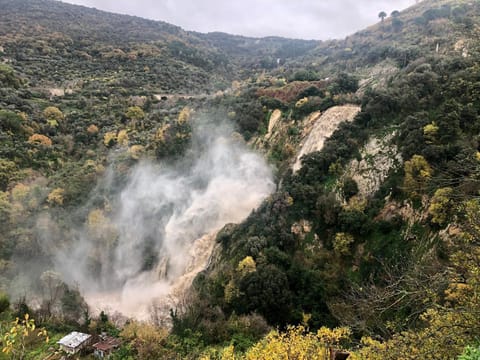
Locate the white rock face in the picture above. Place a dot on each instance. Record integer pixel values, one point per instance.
(377, 77)
(324, 126)
(461, 46)
(379, 156)
(274, 118)
(56, 92)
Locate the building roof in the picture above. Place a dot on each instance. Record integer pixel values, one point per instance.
(74, 339)
(108, 343)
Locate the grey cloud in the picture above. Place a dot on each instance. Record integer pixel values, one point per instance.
(307, 19)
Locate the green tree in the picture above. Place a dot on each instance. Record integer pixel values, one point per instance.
(430, 132)
(349, 188)
(417, 175)
(53, 115)
(7, 77)
(397, 24)
(395, 13)
(135, 114)
(4, 302)
(7, 170)
(5, 208)
(266, 291)
(441, 206)
(12, 122)
(382, 15)
(342, 242)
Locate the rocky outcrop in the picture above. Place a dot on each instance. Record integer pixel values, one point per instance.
(377, 76)
(324, 124)
(379, 157)
(274, 119)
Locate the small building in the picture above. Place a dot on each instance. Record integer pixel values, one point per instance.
(75, 342)
(106, 346)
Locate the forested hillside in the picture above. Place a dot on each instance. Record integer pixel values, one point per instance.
(366, 240)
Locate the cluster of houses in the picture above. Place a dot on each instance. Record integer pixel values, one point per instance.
(103, 346)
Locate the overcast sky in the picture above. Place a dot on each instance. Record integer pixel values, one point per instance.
(305, 19)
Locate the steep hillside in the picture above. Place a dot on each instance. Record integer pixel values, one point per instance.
(124, 154)
(373, 231)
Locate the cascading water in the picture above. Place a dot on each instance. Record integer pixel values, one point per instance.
(165, 220)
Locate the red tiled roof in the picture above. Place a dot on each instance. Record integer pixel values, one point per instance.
(107, 344)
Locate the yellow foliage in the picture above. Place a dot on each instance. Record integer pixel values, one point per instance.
(246, 266)
(23, 115)
(122, 138)
(148, 340)
(180, 135)
(417, 174)
(471, 209)
(291, 345)
(342, 242)
(160, 134)
(96, 218)
(5, 207)
(306, 319)
(135, 113)
(109, 138)
(357, 203)
(230, 292)
(430, 132)
(56, 196)
(446, 327)
(184, 115)
(14, 339)
(20, 192)
(301, 102)
(53, 113)
(52, 122)
(136, 151)
(39, 139)
(296, 343)
(457, 291)
(289, 200)
(89, 165)
(441, 205)
(370, 350)
(228, 353)
(445, 335)
(143, 332)
(100, 227)
(333, 337)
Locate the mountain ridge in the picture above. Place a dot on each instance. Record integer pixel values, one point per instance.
(375, 235)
